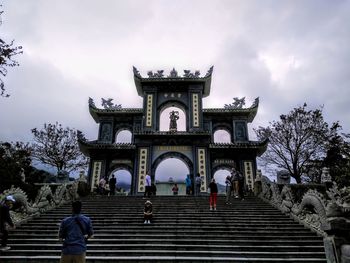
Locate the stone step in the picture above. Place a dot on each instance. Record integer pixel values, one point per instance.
(177, 252)
(120, 243)
(183, 230)
(163, 259)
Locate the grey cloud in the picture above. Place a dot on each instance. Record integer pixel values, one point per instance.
(80, 49)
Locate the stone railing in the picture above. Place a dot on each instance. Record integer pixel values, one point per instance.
(324, 208)
(45, 200)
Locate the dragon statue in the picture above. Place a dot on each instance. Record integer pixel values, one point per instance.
(109, 105)
(189, 74)
(44, 201)
(316, 209)
(312, 210)
(26, 208)
(236, 104)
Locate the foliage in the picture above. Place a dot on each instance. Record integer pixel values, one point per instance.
(338, 159)
(58, 147)
(7, 52)
(296, 140)
(13, 158)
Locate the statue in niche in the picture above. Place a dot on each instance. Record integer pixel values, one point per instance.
(174, 116)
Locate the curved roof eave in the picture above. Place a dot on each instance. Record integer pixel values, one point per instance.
(96, 112)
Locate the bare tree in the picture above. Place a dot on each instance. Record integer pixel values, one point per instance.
(58, 147)
(7, 52)
(296, 140)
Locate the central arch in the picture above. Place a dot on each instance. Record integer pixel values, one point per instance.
(181, 163)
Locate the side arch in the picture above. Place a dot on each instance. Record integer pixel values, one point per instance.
(123, 127)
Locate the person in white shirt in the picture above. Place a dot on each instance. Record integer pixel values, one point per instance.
(148, 183)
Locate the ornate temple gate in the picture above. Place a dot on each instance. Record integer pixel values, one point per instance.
(149, 146)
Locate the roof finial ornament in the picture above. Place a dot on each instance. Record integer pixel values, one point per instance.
(255, 103)
(173, 73)
(92, 103)
(158, 74)
(237, 103)
(136, 72)
(210, 71)
(109, 105)
(81, 136)
(189, 74)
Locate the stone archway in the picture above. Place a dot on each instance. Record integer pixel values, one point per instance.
(179, 166)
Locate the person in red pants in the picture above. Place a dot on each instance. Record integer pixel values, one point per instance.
(213, 194)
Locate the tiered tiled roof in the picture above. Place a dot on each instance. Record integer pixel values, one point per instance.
(173, 77)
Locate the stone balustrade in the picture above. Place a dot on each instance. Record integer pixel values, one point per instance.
(322, 207)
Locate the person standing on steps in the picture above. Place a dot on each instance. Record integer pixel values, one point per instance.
(112, 185)
(6, 221)
(102, 186)
(240, 185)
(197, 184)
(175, 189)
(229, 188)
(188, 182)
(235, 182)
(148, 185)
(147, 212)
(74, 232)
(213, 187)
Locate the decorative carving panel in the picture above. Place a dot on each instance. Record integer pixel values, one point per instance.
(195, 110)
(248, 174)
(240, 131)
(201, 168)
(149, 109)
(143, 154)
(96, 173)
(106, 132)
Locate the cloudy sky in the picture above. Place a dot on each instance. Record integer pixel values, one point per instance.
(285, 52)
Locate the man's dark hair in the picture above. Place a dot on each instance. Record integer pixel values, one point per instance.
(76, 205)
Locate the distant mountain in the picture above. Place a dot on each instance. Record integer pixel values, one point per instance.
(221, 188)
(125, 186)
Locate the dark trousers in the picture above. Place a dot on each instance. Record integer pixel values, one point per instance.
(197, 189)
(241, 189)
(112, 191)
(188, 190)
(147, 191)
(5, 235)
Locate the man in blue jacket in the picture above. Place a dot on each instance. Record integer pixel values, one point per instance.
(74, 232)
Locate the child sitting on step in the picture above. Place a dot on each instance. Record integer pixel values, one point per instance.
(147, 212)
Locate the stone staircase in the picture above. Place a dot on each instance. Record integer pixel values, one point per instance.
(183, 230)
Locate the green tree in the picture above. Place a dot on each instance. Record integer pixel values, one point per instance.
(13, 158)
(7, 52)
(296, 140)
(58, 147)
(338, 159)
